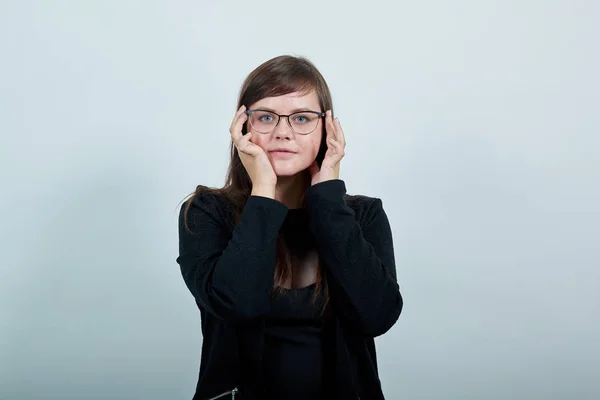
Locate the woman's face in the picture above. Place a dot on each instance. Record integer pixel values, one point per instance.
(302, 149)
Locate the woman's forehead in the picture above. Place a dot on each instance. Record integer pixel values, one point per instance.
(290, 102)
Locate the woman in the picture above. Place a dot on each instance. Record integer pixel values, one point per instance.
(293, 277)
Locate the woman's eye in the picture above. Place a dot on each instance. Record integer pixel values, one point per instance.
(301, 119)
(266, 118)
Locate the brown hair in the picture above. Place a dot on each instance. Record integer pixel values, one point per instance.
(275, 77)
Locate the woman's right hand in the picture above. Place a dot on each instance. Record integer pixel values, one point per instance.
(253, 157)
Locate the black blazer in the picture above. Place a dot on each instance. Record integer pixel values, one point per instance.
(229, 269)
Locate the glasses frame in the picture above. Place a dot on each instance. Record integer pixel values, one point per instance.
(319, 113)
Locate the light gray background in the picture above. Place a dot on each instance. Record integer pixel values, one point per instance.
(476, 122)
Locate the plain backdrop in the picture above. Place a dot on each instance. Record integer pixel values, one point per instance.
(476, 122)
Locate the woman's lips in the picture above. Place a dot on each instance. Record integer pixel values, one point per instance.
(282, 154)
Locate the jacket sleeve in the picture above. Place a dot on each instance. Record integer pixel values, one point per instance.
(230, 274)
(358, 257)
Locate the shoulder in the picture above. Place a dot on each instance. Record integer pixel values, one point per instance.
(207, 203)
(360, 201)
(364, 207)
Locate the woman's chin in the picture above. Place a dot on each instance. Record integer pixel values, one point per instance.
(285, 171)
(283, 174)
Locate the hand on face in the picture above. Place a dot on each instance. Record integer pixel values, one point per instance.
(336, 143)
(253, 157)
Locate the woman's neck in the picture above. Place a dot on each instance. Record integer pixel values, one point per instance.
(290, 189)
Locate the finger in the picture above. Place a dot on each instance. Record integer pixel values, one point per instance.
(245, 145)
(329, 126)
(341, 137)
(237, 123)
(238, 113)
(334, 145)
(244, 140)
(337, 148)
(250, 148)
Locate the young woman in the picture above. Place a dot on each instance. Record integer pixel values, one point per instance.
(293, 277)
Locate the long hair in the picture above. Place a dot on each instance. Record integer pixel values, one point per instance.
(276, 77)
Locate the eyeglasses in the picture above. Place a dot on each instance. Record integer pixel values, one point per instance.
(303, 122)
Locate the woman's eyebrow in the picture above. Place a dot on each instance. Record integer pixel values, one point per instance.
(293, 111)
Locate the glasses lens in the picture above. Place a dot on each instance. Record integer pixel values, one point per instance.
(304, 122)
(263, 121)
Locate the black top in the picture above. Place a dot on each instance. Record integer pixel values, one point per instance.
(293, 355)
(293, 348)
(229, 269)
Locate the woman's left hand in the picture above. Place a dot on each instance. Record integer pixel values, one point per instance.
(336, 143)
